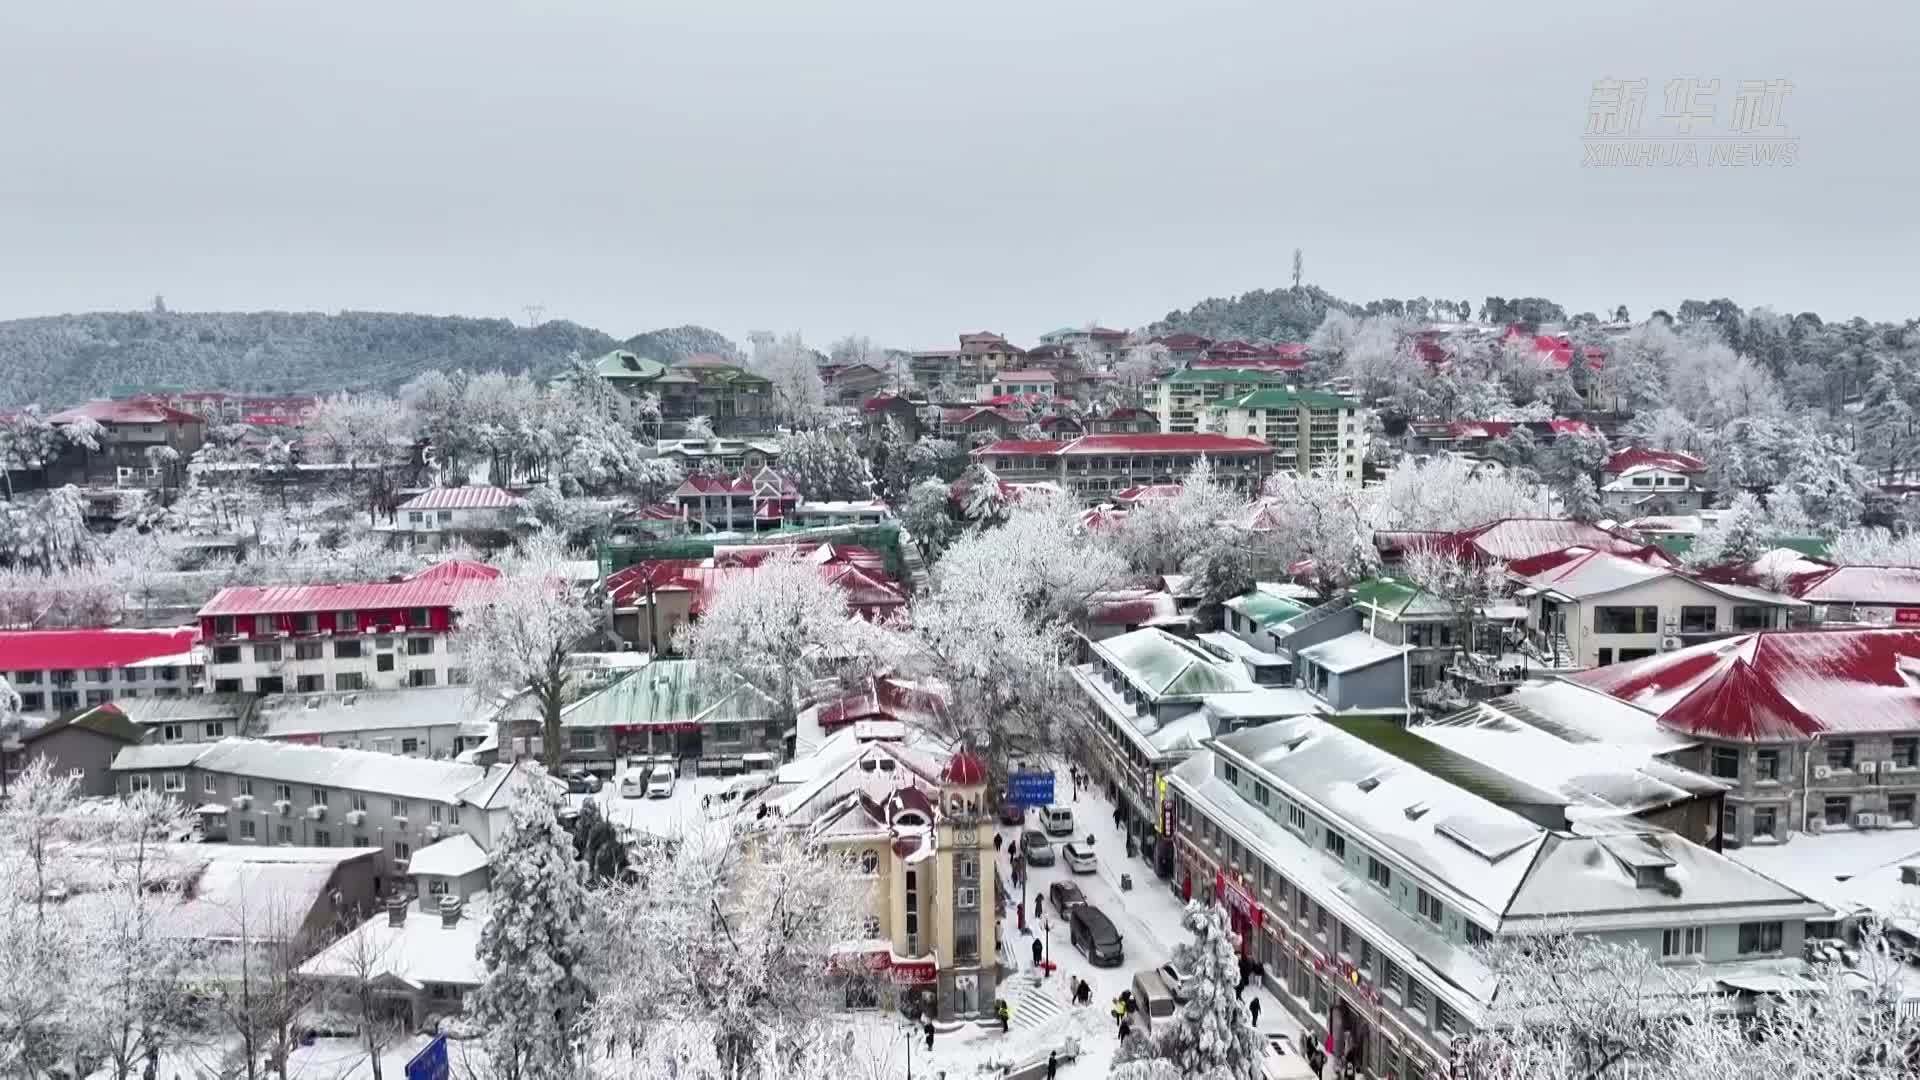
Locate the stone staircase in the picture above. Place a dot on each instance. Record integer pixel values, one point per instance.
(1034, 1002)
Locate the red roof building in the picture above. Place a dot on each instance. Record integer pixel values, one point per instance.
(344, 637)
(57, 671)
(125, 412)
(1095, 465)
(470, 497)
(748, 502)
(678, 591)
(1640, 457)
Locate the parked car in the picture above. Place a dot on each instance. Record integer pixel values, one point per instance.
(633, 783)
(1152, 998)
(1283, 1061)
(1057, 820)
(660, 782)
(1079, 858)
(582, 782)
(1090, 931)
(1012, 813)
(1065, 896)
(1034, 847)
(1179, 982)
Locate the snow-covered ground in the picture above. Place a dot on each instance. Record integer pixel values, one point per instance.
(680, 814)
(1148, 918)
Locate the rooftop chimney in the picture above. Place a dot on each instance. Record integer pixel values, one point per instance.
(396, 910)
(449, 911)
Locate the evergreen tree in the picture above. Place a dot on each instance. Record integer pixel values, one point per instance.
(1210, 1034)
(533, 945)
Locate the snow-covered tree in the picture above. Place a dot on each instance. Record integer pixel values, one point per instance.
(782, 628)
(1142, 364)
(1466, 586)
(1452, 493)
(799, 393)
(928, 516)
(1738, 535)
(733, 941)
(825, 466)
(534, 945)
(1325, 523)
(515, 633)
(1210, 1033)
(699, 428)
(367, 432)
(48, 533)
(1873, 546)
(1160, 535)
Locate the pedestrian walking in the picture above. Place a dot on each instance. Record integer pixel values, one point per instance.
(1253, 1010)
(1036, 906)
(1053, 1063)
(1038, 951)
(1001, 1011)
(1124, 1029)
(926, 1025)
(1119, 1012)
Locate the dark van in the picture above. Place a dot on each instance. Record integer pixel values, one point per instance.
(1093, 934)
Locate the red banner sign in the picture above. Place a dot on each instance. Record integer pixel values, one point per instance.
(1236, 896)
(1907, 616)
(915, 972)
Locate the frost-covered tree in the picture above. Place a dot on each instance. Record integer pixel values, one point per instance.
(1465, 586)
(783, 627)
(1326, 524)
(1738, 535)
(1874, 546)
(927, 515)
(516, 632)
(1581, 500)
(799, 393)
(534, 945)
(1210, 1033)
(1142, 364)
(825, 466)
(1452, 493)
(732, 941)
(367, 432)
(1827, 479)
(48, 533)
(1160, 535)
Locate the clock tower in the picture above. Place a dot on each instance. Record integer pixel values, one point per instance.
(965, 889)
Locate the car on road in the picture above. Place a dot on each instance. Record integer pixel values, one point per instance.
(1079, 858)
(1090, 931)
(1178, 982)
(1035, 848)
(1283, 1061)
(1012, 813)
(582, 782)
(1065, 896)
(633, 783)
(1151, 997)
(1057, 820)
(660, 782)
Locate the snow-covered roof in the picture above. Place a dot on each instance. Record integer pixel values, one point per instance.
(1166, 667)
(470, 497)
(1851, 872)
(1229, 647)
(1595, 573)
(1266, 607)
(1350, 652)
(230, 891)
(159, 710)
(1777, 685)
(1879, 586)
(288, 716)
(1581, 714)
(420, 951)
(157, 756)
(326, 767)
(456, 856)
(669, 692)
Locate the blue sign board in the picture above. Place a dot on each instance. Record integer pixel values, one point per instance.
(431, 1062)
(1030, 788)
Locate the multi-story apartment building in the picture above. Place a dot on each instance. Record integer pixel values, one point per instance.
(748, 502)
(477, 514)
(1311, 432)
(734, 401)
(128, 430)
(981, 355)
(220, 407)
(916, 822)
(345, 637)
(1360, 883)
(1184, 397)
(58, 671)
(1092, 466)
(1814, 731)
(728, 455)
(250, 791)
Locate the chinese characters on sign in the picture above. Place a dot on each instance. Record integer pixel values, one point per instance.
(1710, 122)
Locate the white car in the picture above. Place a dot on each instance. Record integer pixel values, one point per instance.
(1079, 858)
(660, 782)
(633, 783)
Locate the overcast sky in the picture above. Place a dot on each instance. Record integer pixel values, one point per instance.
(910, 170)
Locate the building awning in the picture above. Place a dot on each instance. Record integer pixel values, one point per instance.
(212, 809)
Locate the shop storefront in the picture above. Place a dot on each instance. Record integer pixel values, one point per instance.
(1244, 913)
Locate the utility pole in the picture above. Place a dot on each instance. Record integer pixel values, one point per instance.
(534, 311)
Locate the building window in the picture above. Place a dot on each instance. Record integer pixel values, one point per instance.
(1761, 937)
(1766, 823)
(433, 811)
(1730, 825)
(1752, 617)
(346, 622)
(350, 680)
(1840, 754)
(1836, 808)
(357, 801)
(1626, 620)
(397, 807)
(1726, 763)
(1296, 817)
(1477, 934)
(1686, 941)
(1262, 794)
(322, 838)
(1900, 808)
(1379, 873)
(270, 684)
(346, 650)
(583, 740)
(283, 793)
(383, 662)
(402, 851)
(1446, 1021)
(249, 830)
(419, 646)
(417, 617)
(1429, 905)
(266, 654)
(1766, 764)
(421, 677)
(172, 732)
(1335, 844)
(308, 650)
(226, 654)
(1392, 981)
(226, 686)
(173, 782)
(1906, 752)
(134, 674)
(457, 676)
(310, 684)
(319, 796)
(210, 784)
(283, 834)
(409, 746)
(1417, 1001)
(1697, 620)
(216, 729)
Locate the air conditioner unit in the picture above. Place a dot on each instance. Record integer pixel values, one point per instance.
(1867, 767)
(356, 817)
(400, 821)
(1669, 643)
(241, 802)
(1865, 821)
(1816, 823)
(285, 807)
(316, 813)
(434, 831)
(1889, 766)
(1822, 772)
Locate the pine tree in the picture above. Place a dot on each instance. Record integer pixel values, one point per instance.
(533, 945)
(1210, 1034)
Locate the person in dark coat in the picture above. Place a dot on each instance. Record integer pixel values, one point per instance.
(1038, 950)
(1036, 905)
(926, 1026)
(1124, 1029)
(1253, 1010)
(1053, 1063)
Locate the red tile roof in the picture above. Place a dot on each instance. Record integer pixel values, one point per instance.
(126, 412)
(456, 570)
(1140, 493)
(1777, 685)
(105, 647)
(471, 497)
(1639, 456)
(1021, 446)
(347, 596)
(1547, 562)
(1520, 538)
(1875, 586)
(881, 699)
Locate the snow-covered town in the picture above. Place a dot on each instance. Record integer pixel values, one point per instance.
(618, 540)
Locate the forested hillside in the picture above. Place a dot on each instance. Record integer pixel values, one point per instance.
(1260, 315)
(63, 359)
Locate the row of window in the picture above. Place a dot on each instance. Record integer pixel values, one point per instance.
(283, 834)
(342, 680)
(1694, 619)
(175, 783)
(274, 652)
(309, 622)
(68, 676)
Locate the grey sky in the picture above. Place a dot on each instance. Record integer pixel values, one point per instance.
(912, 170)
